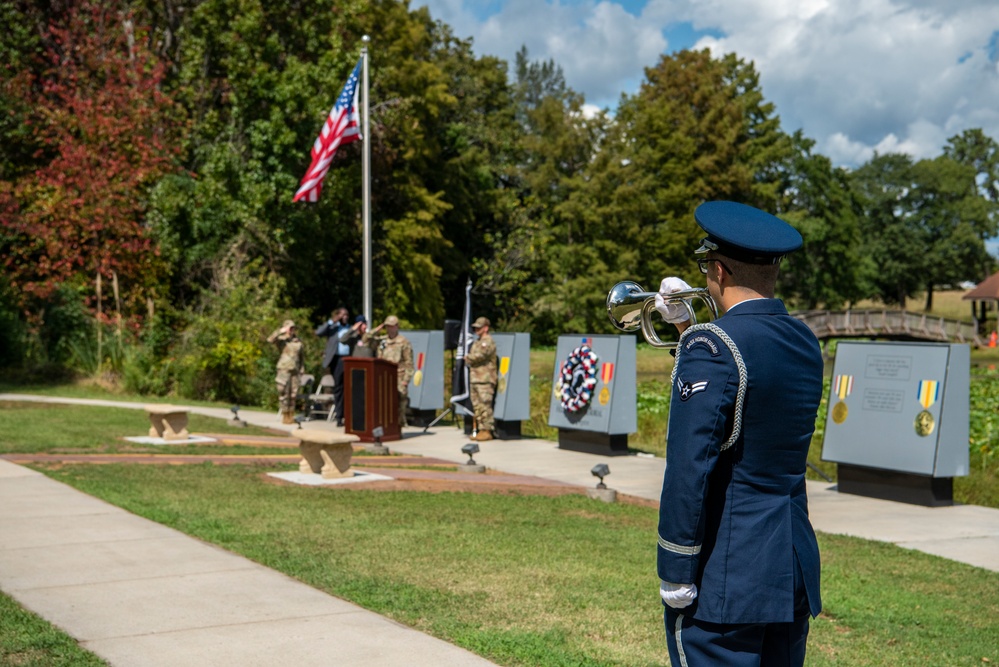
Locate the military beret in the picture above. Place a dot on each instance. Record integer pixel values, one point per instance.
(391, 321)
(480, 322)
(745, 233)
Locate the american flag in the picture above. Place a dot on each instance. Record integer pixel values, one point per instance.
(342, 127)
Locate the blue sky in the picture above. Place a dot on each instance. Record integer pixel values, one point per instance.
(857, 76)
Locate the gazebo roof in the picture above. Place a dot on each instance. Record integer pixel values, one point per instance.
(987, 290)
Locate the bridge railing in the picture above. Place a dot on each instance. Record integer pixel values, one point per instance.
(893, 324)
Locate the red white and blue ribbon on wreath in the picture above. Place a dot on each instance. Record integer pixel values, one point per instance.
(577, 379)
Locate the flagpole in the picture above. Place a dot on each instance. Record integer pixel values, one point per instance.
(366, 183)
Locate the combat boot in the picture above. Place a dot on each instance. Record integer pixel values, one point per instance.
(484, 436)
(287, 417)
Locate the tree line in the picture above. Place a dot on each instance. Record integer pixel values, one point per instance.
(151, 149)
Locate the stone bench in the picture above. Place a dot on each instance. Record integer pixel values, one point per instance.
(325, 452)
(168, 422)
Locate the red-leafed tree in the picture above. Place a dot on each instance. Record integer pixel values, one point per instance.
(107, 133)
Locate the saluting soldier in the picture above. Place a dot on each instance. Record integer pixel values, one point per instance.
(481, 362)
(289, 366)
(396, 348)
(737, 556)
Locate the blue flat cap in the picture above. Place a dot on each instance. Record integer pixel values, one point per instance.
(745, 233)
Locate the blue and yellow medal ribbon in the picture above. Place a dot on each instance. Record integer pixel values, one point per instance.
(929, 392)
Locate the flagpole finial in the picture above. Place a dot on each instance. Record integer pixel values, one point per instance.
(365, 39)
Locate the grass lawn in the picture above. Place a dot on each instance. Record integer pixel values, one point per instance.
(84, 429)
(26, 639)
(531, 580)
(524, 580)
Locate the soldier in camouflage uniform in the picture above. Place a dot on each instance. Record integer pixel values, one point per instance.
(481, 362)
(396, 348)
(289, 366)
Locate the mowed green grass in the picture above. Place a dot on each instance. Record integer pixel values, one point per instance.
(26, 639)
(530, 580)
(83, 429)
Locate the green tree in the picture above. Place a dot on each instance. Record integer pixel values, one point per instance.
(923, 223)
(977, 150)
(18, 52)
(896, 247)
(698, 129)
(833, 268)
(534, 276)
(947, 209)
(258, 80)
(444, 131)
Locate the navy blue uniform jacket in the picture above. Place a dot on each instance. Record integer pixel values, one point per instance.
(735, 521)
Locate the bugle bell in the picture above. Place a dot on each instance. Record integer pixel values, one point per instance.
(630, 307)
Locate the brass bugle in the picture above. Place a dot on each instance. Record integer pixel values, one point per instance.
(630, 307)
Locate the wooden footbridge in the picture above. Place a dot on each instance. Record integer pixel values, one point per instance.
(888, 324)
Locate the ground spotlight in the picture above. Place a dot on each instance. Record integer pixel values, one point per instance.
(601, 470)
(470, 448)
(236, 421)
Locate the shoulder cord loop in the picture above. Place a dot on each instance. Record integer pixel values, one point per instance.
(740, 396)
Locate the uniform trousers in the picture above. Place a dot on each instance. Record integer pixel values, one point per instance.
(287, 387)
(694, 643)
(336, 370)
(482, 395)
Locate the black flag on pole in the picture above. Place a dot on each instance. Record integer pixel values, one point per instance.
(461, 399)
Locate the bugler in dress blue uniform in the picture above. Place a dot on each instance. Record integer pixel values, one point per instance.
(737, 555)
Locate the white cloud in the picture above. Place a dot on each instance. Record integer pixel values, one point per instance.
(600, 46)
(855, 75)
(865, 75)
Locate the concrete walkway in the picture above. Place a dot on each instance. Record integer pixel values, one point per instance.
(138, 593)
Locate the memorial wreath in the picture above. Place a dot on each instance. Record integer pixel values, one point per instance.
(577, 378)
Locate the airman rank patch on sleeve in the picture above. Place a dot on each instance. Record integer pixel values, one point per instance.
(688, 389)
(701, 339)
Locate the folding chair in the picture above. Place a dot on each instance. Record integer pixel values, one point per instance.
(305, 382)
(321, 402)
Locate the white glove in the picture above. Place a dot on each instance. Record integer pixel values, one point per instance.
(674, 313)
(677, 596)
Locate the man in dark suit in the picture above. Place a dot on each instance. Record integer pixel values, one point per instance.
(335, 331)
(737, 557)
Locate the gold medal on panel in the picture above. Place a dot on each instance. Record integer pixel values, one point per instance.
(604, 396)
(501, 386)
(839, 412)
(417, 378)
(924, 423)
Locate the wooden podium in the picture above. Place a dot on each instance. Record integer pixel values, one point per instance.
(371, 398)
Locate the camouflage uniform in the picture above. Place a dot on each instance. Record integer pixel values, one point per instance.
(399, 351)
(481, 362)
(289, 366)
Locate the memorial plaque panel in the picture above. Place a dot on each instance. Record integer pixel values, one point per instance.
(426, 387)
(513, 384)
(900, 407)
(612, 408)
